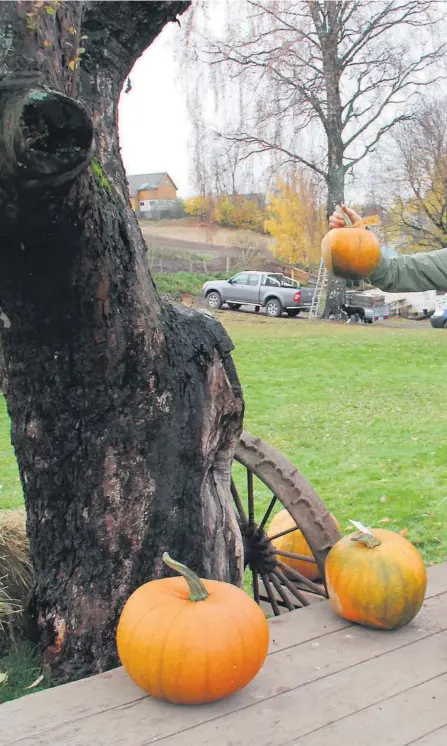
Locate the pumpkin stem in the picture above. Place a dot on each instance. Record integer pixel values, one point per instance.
(364, 536)
(342, 214)
(369, 540)
(197, 591)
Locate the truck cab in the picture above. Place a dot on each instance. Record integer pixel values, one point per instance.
(271, 290)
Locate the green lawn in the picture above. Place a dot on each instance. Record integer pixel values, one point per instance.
(176, 283)
(10, 487)
(360, 410)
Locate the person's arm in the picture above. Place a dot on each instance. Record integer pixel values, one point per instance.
(412, 272)
(409, 273)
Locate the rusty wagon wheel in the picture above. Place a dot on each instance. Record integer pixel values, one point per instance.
(275, 583)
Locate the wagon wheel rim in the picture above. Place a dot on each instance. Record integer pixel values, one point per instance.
(274, 583)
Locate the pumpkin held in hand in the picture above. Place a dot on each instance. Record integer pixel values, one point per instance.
(351, 252)
(293, 542)
(191, 641)
(376, 578)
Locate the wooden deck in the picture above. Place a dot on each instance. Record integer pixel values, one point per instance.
(325, 683)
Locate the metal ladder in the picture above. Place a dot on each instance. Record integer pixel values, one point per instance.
(318, 292)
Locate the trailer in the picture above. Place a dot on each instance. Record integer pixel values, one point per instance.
(376, 313)
(374, 306)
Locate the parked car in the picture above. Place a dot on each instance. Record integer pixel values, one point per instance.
(273, 291)
(438, 319)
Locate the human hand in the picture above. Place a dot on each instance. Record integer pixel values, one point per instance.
(337, 221)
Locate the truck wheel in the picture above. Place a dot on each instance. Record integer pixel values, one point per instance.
(273, 307)
(293, 312)
(214, 300)
(234, 306)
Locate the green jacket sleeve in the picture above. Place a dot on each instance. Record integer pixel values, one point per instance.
(412, 272)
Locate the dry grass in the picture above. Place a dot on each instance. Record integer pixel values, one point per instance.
(15, 568)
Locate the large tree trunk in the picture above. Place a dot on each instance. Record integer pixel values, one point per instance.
(125, 412)
(336, 287)
(328, 35)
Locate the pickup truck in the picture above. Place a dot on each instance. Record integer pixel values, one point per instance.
(273, 291)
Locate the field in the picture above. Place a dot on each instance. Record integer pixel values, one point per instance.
(10, 487)
(193, 231)
(188, 246)
(359, 410)
(181, 282)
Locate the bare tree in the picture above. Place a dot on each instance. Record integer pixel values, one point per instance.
(419, 157)
(322, 82)
(125, 410)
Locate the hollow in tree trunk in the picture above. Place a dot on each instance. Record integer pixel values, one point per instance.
(125, 411)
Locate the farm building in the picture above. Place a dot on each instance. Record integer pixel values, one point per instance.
(153, 195)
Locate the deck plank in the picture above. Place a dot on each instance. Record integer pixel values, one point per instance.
(437, 737)
(286, 717)
(314, 657)
(398, 721)
(288, 672)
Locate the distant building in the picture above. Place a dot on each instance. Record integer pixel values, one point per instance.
(152, 195)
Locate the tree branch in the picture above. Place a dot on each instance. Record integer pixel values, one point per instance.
(119, 33)
(402, 81)
(368, 148)
(263, 146)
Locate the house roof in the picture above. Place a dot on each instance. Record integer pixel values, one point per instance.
(145, 181)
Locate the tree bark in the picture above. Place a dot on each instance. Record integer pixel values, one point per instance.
(125, 412)
(335, 179)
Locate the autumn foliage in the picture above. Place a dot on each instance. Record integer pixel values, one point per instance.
(296, 218)
(234, 211)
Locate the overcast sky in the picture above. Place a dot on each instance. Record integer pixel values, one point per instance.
(154, 128)
(154, 125)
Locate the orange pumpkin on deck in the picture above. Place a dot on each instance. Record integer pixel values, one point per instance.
(293, 542)
(350, 252)
(191, 641)
(377, 578)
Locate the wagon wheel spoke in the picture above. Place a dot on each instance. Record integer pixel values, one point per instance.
(297, 577)
(283, 533)
(255, 580)
(292, 588)
(251, 498)
(280, 590)
(268, 512)
(271, 595)
(238, 502)
(293, 555)
(272, 582)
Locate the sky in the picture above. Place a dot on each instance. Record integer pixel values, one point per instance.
(155, 130)
(154, 124)
(153, 120)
